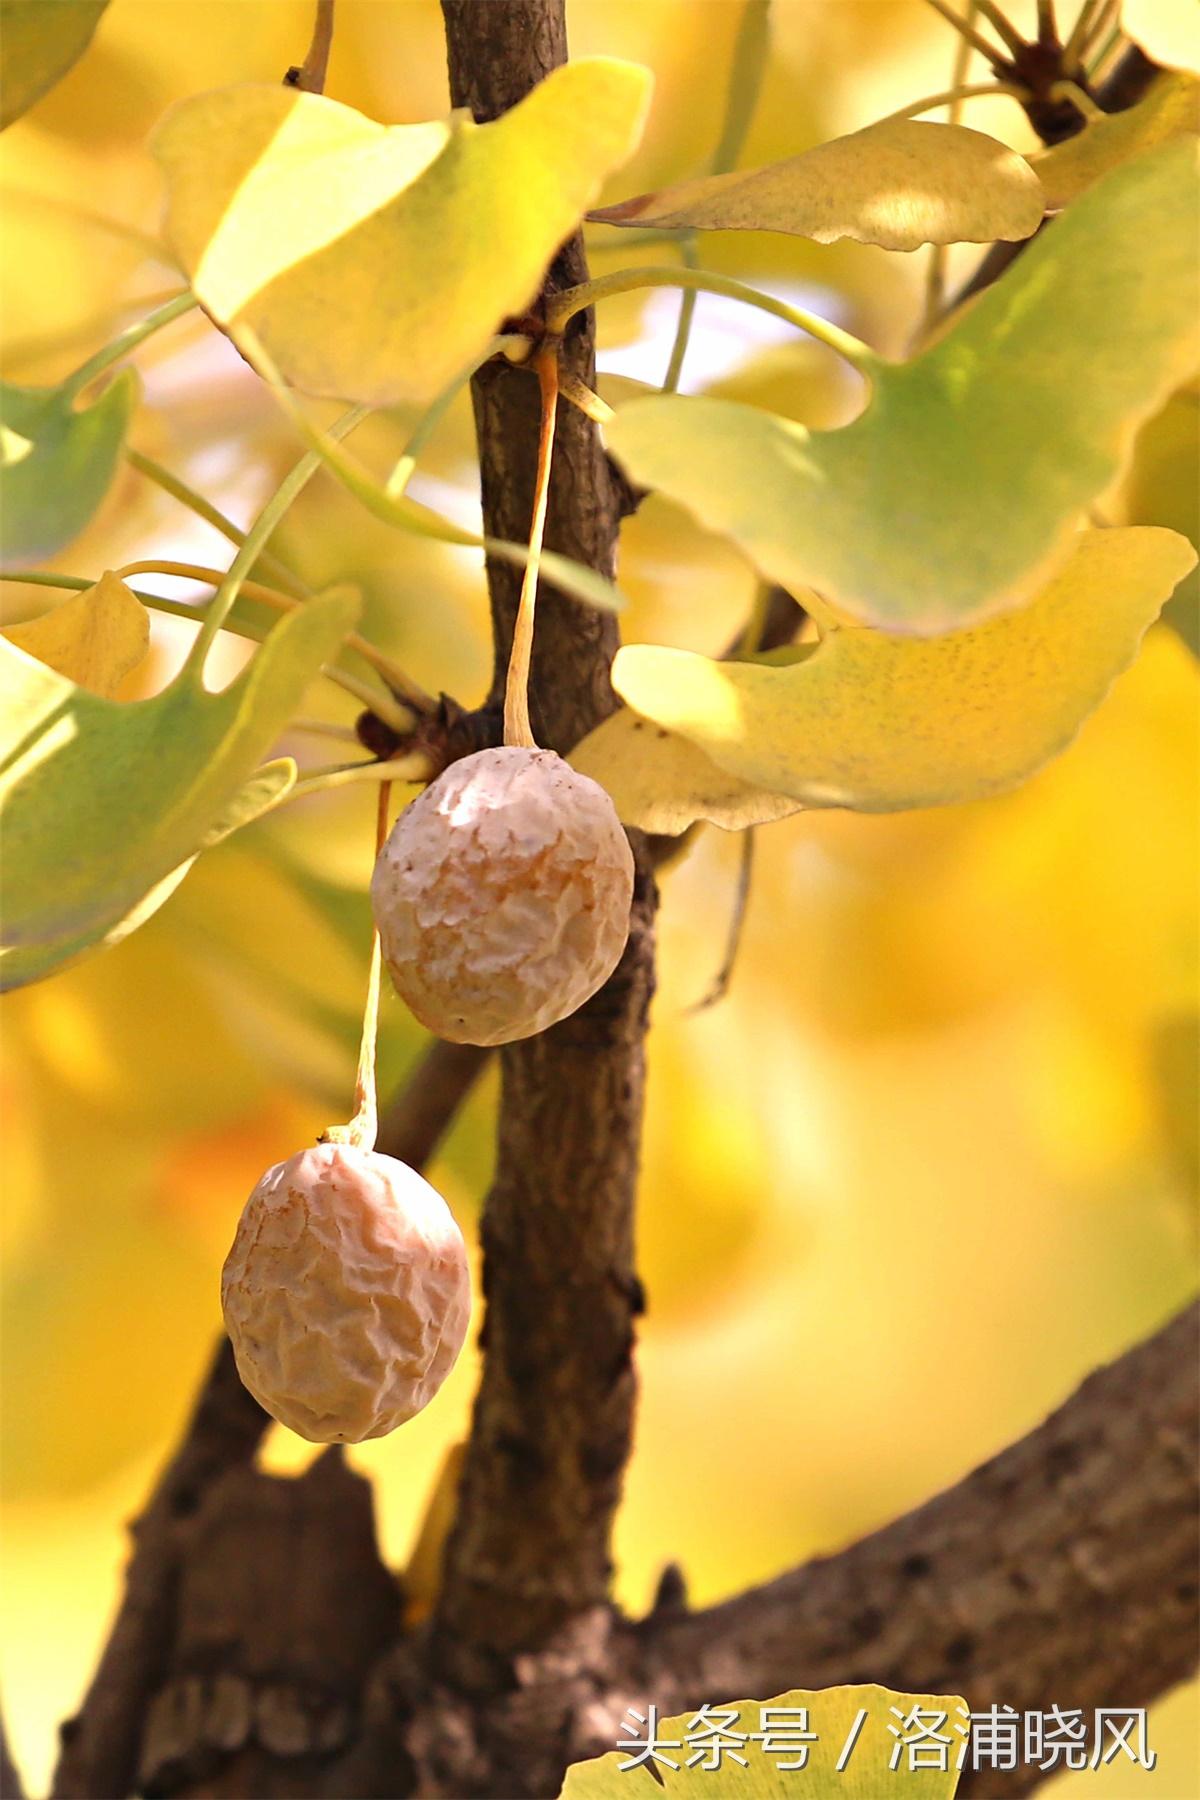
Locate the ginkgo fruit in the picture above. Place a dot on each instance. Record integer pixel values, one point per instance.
(346, 1294)
(502, 896)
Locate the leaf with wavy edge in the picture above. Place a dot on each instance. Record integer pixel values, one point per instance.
(42, 40)
(100, 802)
(1169, 109)
(864, 1727)
(95, 638)
(375, 261)
(882, 724)
(660, 782)
(57, 462)
(900, 183)
(953, 495)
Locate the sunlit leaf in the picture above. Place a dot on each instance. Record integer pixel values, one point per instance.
(95, 638)
(374, 261)
(876, 1762)
(39, 41)
(882, 723)
(101, 802)
(953, 494)
(660, 782)
(901, 183)
(1170, 109)
(56, 463)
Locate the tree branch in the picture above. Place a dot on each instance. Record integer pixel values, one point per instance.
(1062, 1572)
(102, 1745)
(552, 1426)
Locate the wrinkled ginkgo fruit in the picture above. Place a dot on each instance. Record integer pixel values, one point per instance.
(502, 896)
(346, 1293)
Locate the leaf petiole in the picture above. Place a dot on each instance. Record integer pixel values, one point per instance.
(126, 342)
(178, 489)
(563, 307)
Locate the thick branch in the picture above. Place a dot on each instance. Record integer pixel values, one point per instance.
(553, 1419)
(102, 1745)
(1062, 1572)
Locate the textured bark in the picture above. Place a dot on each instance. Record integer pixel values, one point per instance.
(1063, 1571)
(551, 1434)
(106, 1744)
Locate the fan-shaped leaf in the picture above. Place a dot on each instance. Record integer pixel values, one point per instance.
(881, 723)
(102, 802)
(41, 39)
(373, 262)
(1170, 109)
(866, 1729)
(95, 638)
(56, 463)
(660, 782)
(954, 493)
(901, 183)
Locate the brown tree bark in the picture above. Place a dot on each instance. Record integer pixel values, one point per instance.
(259, 1650)
(551, 1434)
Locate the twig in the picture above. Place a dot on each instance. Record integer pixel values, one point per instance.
(310, 75)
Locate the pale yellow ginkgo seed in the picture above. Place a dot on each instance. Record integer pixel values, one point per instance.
(502, 896)
(346, 1294)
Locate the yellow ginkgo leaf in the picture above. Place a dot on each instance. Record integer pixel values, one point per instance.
(901, 183)
(95, 638)
(660, 782)
(374, 261)
(1170, 109)
(881, 723)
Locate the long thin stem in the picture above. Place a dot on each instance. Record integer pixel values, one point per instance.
(741, 97)
(683, 327)
(719, 985)
(126, 342)
(952, 95)
(385, 706)
(187, 496)
(364, 1126)
(1004, 31)
(965, 30)
(287, 491)
(429, 421)
(310, 76)
(1080, 33)
(935, 281)
(412, 767)
(517, 728)
(1098, 57)
(1047, 23)
(1083, 103)
(563, 307)
(397, 679)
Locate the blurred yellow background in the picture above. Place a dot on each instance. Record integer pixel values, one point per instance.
(930, 1160)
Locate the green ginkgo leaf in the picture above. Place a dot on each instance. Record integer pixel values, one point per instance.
(901, 183)
(374, 261)
(843, 1743)
(956, 490)
(881, 724)
(57, 463)
(39, 42)
(100, 802)
(660, 782)
(95, 638)
(1169, 109)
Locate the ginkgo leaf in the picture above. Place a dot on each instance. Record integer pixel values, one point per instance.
(901, 183)
(374, 261)
(41, 39)
(660, 782)
(956, 490)
(56, 463)
(1169, 109)
(870, 1731)
(101, 802)
(881, 724)
(95, 638)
